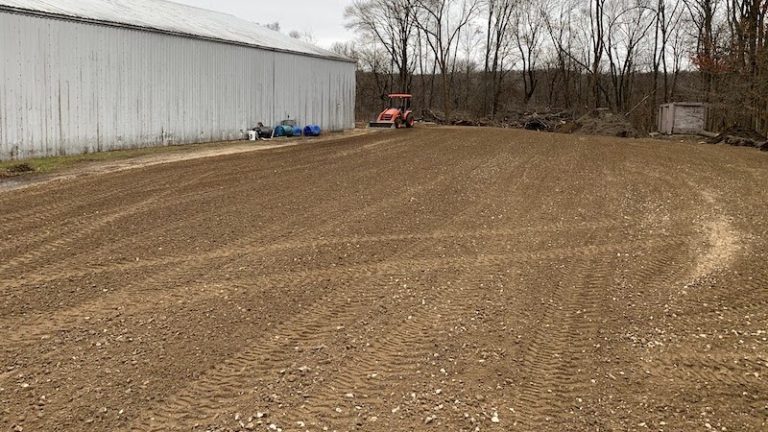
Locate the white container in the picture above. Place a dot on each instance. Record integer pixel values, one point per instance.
(253, 135)
(682, 118)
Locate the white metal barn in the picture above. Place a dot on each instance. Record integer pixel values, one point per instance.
(80, 76)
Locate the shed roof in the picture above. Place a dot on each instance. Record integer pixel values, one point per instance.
(168, 17)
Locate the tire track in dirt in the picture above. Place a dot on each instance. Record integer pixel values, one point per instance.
(180, 271)
(560, 375)
(320, 323)
(73, 233)
(40, 325)
(76, 265)
(29, 219)
(51, 206)
(567, 330)
(65, 270)
(63, 231)
(695, 271)
(408, 343)
(76, 228)
(403, 346)
(175, 273)
(612, 247)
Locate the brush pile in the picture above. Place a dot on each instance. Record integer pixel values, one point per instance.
(597, 122)
(741, 137)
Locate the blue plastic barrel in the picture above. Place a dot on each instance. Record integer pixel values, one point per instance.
(284, 131)
(297, 131)
(312, 130)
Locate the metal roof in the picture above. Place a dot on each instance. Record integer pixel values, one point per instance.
(168, 17)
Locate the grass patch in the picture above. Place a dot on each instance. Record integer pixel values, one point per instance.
(45, 165)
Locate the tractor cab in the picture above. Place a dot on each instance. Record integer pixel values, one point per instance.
(397, 114)
(400, 101)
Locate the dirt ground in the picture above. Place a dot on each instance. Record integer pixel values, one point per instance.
(76, 166)
(415, 280)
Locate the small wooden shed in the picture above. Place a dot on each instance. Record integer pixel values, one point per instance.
(682, 118)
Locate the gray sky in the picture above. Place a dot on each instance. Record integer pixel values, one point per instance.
(324, 19)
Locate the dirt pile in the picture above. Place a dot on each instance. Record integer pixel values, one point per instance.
(603, 122)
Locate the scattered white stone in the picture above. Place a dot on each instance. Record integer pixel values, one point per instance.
(430, 419)
(495, 417)
(395, 410)
(349, 395)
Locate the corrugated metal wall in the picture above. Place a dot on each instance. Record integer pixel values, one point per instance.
(70, 87)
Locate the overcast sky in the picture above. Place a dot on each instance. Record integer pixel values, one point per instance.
(324, 19)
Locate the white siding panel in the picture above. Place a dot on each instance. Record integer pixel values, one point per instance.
(171, 17)
(71, 87)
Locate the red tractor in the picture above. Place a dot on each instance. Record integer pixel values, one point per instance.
(398, 113)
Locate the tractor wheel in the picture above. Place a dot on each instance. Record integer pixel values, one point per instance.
(409, 121)
(398, 123)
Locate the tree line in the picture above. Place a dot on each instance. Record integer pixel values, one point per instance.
(487, 58)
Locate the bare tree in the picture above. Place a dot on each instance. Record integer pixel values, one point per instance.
(747, 28)
(558, 22)
(628, 24)
(477, 55)
(392, 24)
(666, 20)
(528, 38)
(597, 27)
(497, 42)
(441, 23)
(707, 57)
